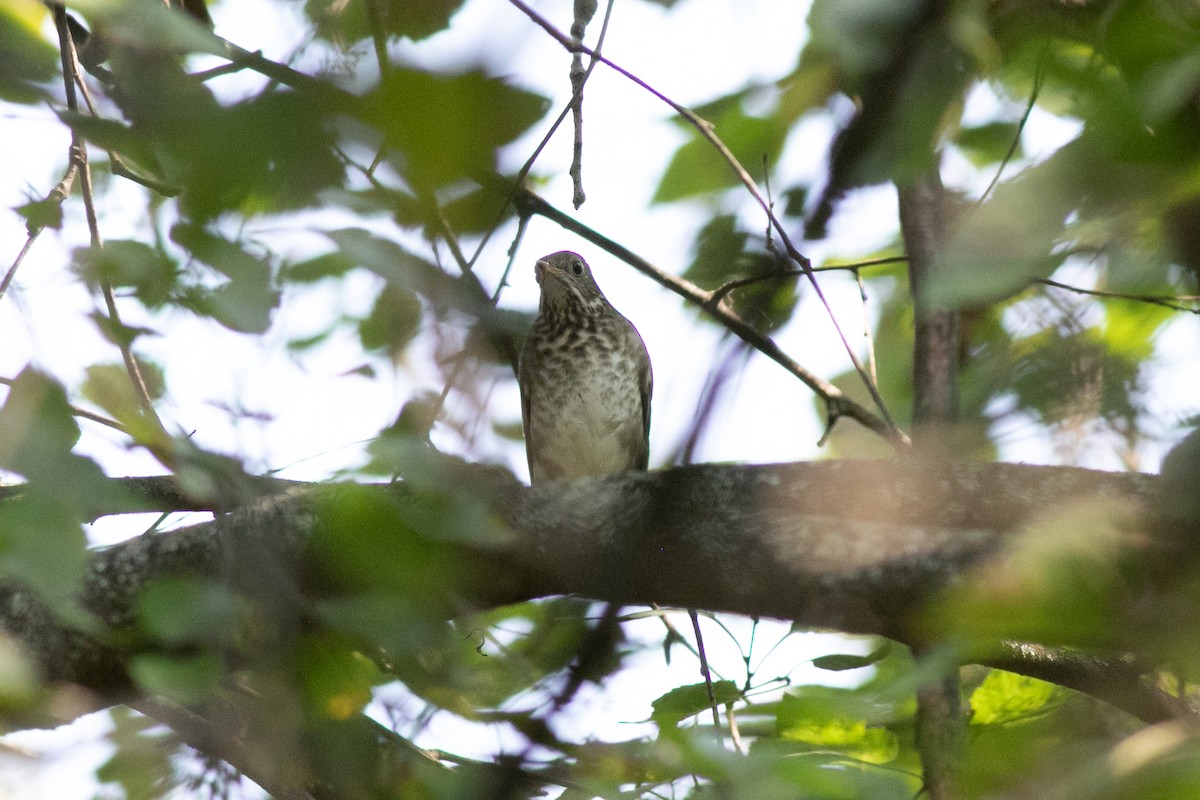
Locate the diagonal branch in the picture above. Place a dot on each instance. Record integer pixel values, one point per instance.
(837, 403)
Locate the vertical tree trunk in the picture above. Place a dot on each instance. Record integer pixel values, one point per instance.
(935, 352)
(941, 724)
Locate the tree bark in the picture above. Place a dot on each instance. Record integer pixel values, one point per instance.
(941, 724)
(853, 546)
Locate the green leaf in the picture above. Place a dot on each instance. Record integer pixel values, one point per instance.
(989, 143)
(1059, 582)
(187, 680)
(327, 265)
(111, 388)
(392, 323)
(344, 23)
(859, 37)
(179, 611)
(227, 257)
(137, 22)
(26, 58)
(19, 681)
(685, 701)
(122, 262)
(245, 302)
(722, 255)
(698, 168)
(446, 128)
(141, 763)
(400, 266)
(41, 214)
(336, 679)
(1006, 697)
(850, 737)
(36, 424)
(845, 661)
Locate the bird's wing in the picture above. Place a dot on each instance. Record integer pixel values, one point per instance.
(525, 411)
(646, 379)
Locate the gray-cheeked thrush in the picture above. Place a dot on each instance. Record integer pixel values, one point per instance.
(585, 379)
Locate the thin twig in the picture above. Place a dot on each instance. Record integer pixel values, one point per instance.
(12, 270)
(704, 670)
(70, 65)
(584, 11)
(1166, 301)
(1173, 302)
(57, 196)
(867, 337)
(1012, 148)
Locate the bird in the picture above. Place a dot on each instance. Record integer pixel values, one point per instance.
(585, 379)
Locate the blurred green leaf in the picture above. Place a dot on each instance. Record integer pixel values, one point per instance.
(20, 681)
(1006, 697)
(850, 737)
(111, 388)
(26, 58)
(1059, 583)
(327, 265)
(400, 266)
(336, 678)
(151, 26)
(1062, 376)
(153, 275)
(844, 661)
(179, 611)
(246, 301)
(859, 37)
(446, 128)
(36, 424)
(346, 22)
(723, 255)
(392, 323)
(371, 542)
(996, 249)
(989, 143)
(1179, 478)
(40, 214)
(685, 701)
(184, 679)
(140, 764)
(697, 168)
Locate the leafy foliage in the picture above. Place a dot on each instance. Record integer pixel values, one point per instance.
(336, 680)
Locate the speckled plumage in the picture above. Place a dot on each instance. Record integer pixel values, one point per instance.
(585, 380)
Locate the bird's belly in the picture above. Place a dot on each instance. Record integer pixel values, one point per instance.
(592, 430)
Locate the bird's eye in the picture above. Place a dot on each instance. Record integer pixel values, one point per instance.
(577, 267)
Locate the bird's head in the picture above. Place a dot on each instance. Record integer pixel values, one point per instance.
(567, 282)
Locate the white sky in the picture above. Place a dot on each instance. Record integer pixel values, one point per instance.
(319, 415)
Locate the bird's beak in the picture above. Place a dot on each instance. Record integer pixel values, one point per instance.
(539, 270)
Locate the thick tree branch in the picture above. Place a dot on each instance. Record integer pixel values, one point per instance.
(855, 546)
